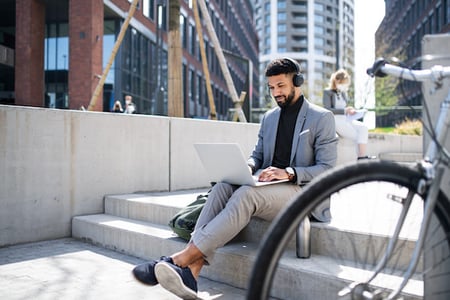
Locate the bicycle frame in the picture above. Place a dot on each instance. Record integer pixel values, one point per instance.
(432, 166)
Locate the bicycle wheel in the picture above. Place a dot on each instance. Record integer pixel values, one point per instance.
(347, 249)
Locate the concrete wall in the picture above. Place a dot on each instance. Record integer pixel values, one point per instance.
(186, 170)
(56, 164)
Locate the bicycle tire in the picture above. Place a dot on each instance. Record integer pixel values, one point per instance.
(436, 278)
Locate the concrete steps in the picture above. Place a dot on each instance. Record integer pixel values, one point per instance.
(136, 224)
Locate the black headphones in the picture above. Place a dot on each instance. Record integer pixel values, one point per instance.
(298, 78)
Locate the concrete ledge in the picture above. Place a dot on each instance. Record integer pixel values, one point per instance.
(394, 143)
(400, 157)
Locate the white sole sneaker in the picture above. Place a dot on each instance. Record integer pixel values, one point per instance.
(169, 279)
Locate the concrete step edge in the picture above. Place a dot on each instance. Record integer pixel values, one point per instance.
(132, 236)
(157, 207)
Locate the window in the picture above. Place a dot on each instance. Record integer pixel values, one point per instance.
(300, 17)
(318, 19)
(281, 16)
(281, 28)
(183, 32)
(318, 7)
(192, 41)
(318, 29)
(258, 22)
(200, 90)
(319, 65)
(319, 42)
(447, 12)
(148, 8)
(438, 23)
(300, 4)
(192, 90)
(56, 65)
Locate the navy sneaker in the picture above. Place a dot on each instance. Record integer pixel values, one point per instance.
(145, 272)
(366, 157)
(177, 280)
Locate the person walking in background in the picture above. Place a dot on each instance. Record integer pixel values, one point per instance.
(130, 107)
(117, 108)
(335, 98)
(297, 141)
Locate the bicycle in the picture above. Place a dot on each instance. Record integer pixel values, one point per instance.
(410, 259)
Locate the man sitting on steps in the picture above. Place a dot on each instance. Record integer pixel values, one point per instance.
(296, 140)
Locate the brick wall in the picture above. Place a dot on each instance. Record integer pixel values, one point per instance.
(29, 69)
(86, 48)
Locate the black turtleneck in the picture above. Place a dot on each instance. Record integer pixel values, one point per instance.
(285, 133)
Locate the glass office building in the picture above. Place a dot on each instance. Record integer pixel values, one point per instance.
(60, 49)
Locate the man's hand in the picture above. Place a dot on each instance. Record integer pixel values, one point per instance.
(272, 173)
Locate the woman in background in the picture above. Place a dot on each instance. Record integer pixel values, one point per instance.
(335, 98)
(117, 108)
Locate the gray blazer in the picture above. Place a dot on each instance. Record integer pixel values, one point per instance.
(329, 101)
(314, 146)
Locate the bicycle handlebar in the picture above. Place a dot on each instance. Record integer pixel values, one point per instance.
(382, 67)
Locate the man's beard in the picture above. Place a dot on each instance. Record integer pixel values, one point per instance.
(288, 101)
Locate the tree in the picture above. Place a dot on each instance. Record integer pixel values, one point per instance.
(385, 94)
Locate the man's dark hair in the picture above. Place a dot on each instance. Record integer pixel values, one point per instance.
(280, 66)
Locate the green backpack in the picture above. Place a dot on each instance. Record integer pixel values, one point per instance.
(183, 223)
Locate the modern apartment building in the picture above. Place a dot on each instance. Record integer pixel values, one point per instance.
(400, 35)
(319, 34)
(53, 53)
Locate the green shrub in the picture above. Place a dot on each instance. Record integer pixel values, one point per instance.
(409, 127)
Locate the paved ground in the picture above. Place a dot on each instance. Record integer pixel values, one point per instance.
(71, 269)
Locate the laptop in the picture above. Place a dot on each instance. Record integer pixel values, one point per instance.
(225, 162)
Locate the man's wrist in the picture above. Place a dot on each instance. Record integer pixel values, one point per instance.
(252, 169)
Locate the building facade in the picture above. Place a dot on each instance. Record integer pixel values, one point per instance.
(319, 34)
(400, 35)
(60, 48)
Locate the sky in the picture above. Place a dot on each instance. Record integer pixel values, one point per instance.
(368, 16)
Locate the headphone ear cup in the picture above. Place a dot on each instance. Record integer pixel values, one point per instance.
(298, 79)
(301, 78)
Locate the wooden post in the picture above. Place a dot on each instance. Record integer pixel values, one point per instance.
(123, 29)
(175, 86)
(238, 114)
(221, 58)
(198, 25)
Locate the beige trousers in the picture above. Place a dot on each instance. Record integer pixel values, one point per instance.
(229, 209)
